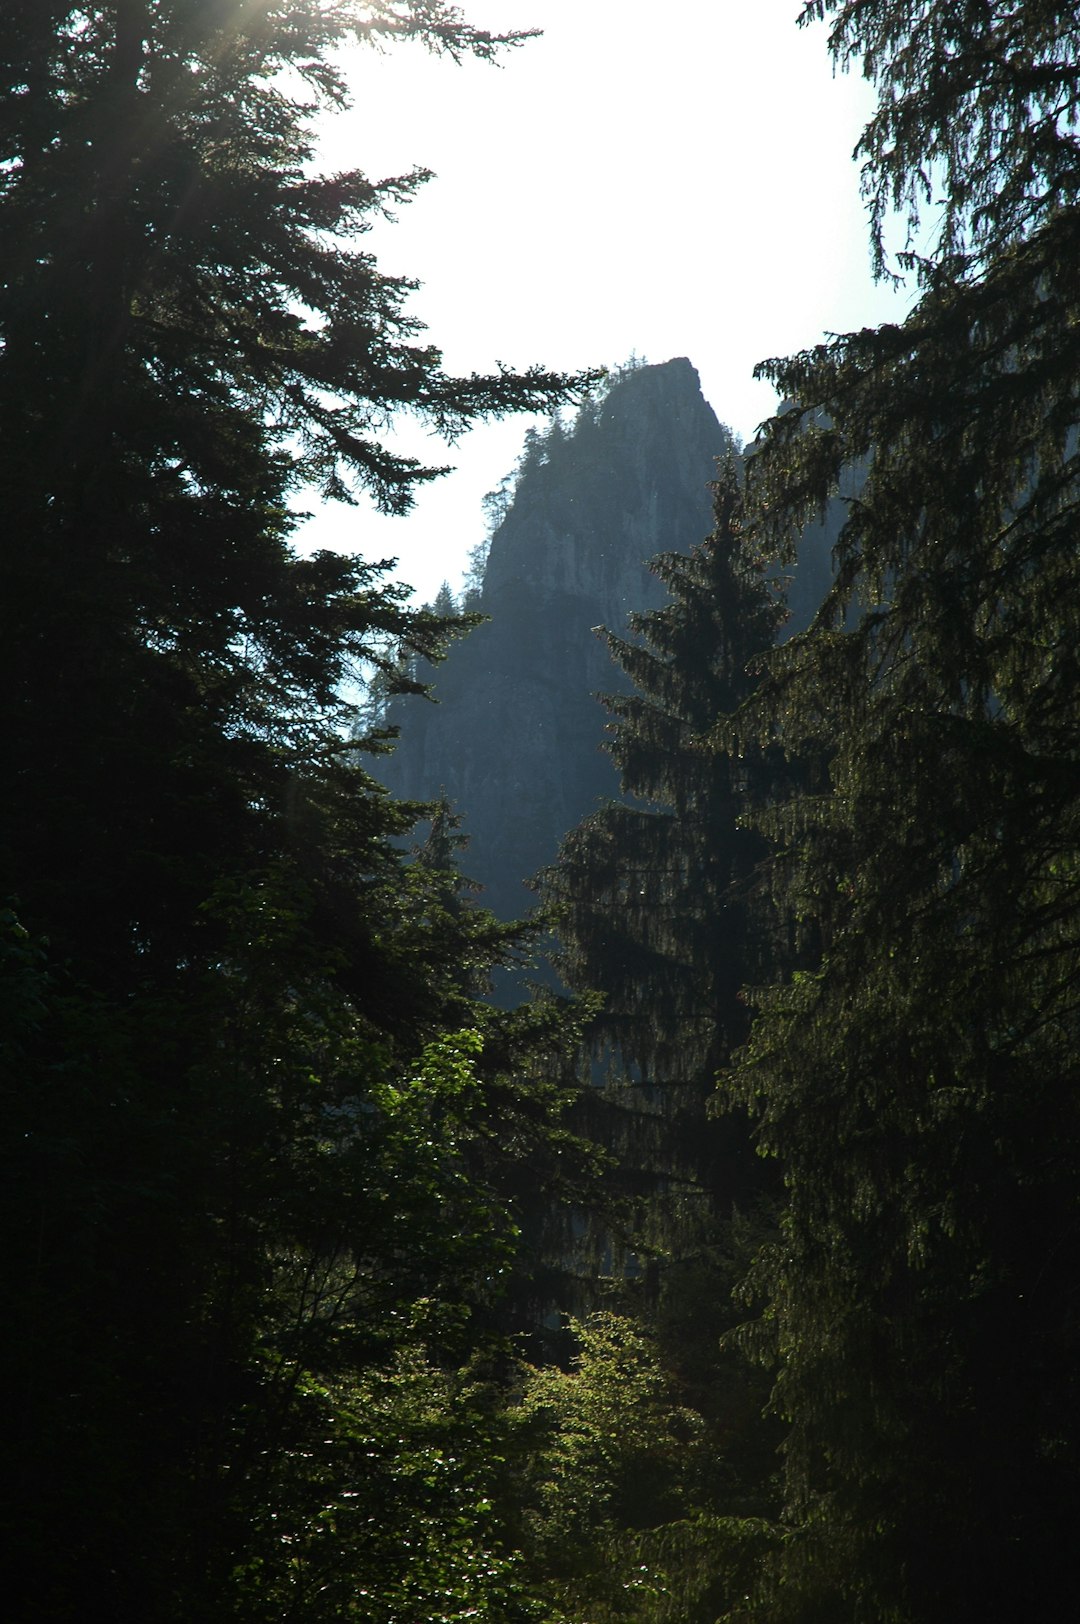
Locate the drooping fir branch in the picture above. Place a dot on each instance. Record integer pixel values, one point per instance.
(908, 1078)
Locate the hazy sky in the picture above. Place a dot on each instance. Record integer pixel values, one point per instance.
(665, 179)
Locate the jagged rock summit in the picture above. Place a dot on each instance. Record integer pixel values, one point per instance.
(628, 481)
(515, 740)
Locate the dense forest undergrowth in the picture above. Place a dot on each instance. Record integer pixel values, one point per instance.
(300, 1323)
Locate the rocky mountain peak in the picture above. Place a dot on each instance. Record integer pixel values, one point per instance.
(515, 740)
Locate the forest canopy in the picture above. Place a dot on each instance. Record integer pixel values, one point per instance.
(296, 1216)
(263, 1133)
(919, 1307)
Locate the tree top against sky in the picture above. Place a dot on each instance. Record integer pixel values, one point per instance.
(976, 123)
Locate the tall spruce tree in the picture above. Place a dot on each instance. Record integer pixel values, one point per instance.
(647, 891)
(649, 900)
(914, 1079)
(251, 1134)
(191, 334)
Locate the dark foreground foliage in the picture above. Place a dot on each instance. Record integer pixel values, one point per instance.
(915, 1081)
(264, 1168)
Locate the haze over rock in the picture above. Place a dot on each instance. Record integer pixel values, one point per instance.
(515, 738)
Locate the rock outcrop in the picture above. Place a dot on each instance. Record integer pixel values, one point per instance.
(515, 738)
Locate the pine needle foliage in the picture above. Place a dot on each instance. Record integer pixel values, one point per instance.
(649, 892)
(913, 1078)
(650, 900)
(258, 1211)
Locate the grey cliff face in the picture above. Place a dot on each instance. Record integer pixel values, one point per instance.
(515, 741)
(630, 482)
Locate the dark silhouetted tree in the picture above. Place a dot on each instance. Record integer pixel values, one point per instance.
(913, 1079)
(649, 892)
(650, 906)
(240, 1079)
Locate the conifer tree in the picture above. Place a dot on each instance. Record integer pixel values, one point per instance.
(647, 891)
(649, 900)
(233, 1011)
(913, 1077)
(190, 335)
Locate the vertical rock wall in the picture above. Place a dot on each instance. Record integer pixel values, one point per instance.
(515, 738)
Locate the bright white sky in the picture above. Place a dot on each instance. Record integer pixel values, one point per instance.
(668, 178)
